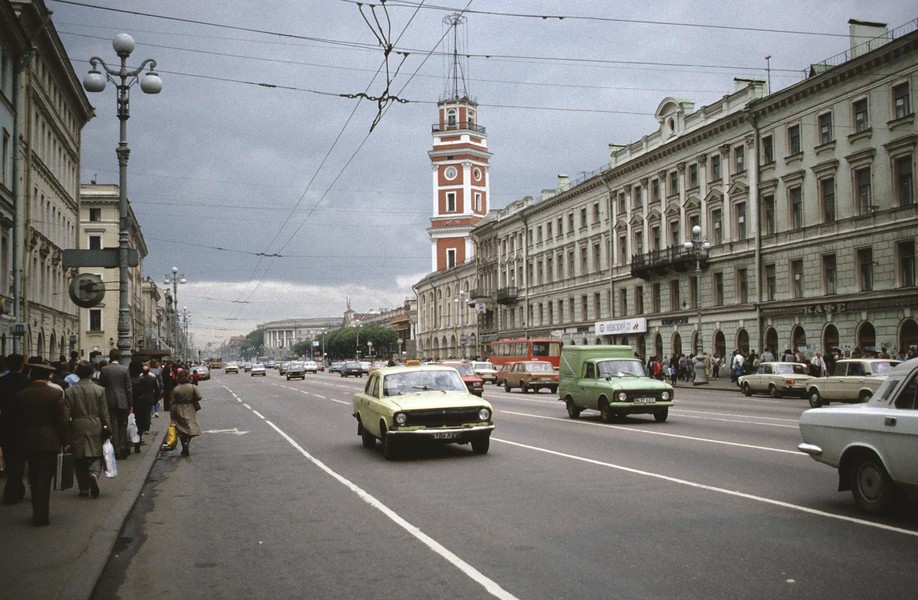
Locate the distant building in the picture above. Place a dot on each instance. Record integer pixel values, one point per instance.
(282, 336)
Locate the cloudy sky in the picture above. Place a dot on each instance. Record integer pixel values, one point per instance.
(256, 176)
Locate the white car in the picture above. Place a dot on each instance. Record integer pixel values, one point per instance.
(776, 379)
(874, 445)
(311, 366)
(258, 369)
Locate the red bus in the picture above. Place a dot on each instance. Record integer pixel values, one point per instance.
(504, 351)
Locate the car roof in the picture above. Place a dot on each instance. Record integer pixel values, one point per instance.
(904, 366)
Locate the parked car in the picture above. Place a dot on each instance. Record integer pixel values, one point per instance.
(310, 366)
(611, 380)
(502, 372)
(472, 381)
(200, 372)
(351, 369)
(247, 367)
(406, 404)
(335, 367)
(485, 370)
(295, 369)
(258, 369)
(854, 380)
(231, 367)
(531, 375)
(872, 445)
(777, 379)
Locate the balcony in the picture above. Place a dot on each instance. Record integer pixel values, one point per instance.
(439, 128)
(507, 295)
(660, 262)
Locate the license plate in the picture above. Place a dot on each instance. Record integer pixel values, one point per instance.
(445, 435)
(645, 400)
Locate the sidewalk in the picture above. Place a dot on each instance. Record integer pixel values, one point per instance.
(65, 559)
(722, 384)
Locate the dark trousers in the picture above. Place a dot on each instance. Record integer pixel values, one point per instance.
(120, 441)
(42, 466)
(14, 489)
(83, 467)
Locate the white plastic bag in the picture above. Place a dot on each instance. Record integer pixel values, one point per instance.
(108, 455)
(132, 429)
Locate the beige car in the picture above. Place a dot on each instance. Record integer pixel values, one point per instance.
(854, 380)
(777, 379)
(531, 375)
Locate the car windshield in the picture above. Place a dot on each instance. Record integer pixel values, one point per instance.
(539, 367)
(464, 370)
(484, 366)
(881, 396)
(620, 368)
(412, 382)
(790, 369)
(883, 368)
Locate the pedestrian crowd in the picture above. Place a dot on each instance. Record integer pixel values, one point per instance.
(78, 407)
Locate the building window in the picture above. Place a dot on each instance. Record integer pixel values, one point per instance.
(771, 283)
(901, 103)
(768, 150)
(768, 208)
(796, 207)
(95, 242)
(905, 183)
(583, 217)
(451, 117)
(583, 308)
(674, 239)
(655, 190)
(95, 319)
(549, 272)
(673, 183)
(693, 175)
(793, 140)
(636, 201)
(742, 285)
(450, 201)
(715, 168)
(796, 272)
(551, 313)
(621, 203)
(862, 189)
(477, 201)
(906, 262)
(674, 299)
(597, 305)
(741, 221)
(596, 218)
(718, 289)
(827, 199)
(584, 264)
(623, 301)
(95, 214)
(861, 117)
(597, 258)
(717, 218)
(655, 298)
(825, 128)
(570, 263)
(622, 250)
(639, 299)
(829, 274)
(865, 269)
(570, 222)
(560, 226)
(739, 158)
(450, 258)
(539, 234)
(548, 230)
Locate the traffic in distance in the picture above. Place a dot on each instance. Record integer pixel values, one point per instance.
(871, 441)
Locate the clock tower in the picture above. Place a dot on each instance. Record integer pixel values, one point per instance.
(459, 168)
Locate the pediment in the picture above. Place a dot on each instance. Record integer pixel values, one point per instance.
(738, 188)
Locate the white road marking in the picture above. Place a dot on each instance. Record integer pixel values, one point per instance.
(738, 416)
(471, 572)
(259, 415)
(737, 420)
(234, 431)
(712, 488)
(660, 433)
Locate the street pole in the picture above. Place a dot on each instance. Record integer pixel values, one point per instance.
(698, 247)
(174, 278)
(150, 84)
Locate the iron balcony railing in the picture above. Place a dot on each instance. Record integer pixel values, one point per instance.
(440, 127)
(659, 262)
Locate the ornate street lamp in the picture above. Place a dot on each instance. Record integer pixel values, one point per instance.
(124, 79)
(698, 248)
(174, 278)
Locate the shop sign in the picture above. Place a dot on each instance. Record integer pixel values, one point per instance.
(621, 326)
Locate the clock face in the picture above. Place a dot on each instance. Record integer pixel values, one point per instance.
(477, 174)
(450, 172)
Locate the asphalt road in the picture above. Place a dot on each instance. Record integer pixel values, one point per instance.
(280, 500)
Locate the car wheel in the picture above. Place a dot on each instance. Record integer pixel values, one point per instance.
(747, 391)
(774, 392)
(506, 386)
(573, 411)
(389, 449)
(553, 389)
(605, 411)
(288, 377)
(524, 388)
(815, 400)
(661, 415)
(871, 486)
(480, 445)
(367, 438)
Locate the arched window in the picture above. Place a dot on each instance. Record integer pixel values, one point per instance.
(677, 344)
(830, 342)
(867, 337)
(451, 117)
(720, 344)
(771, 340)
(658, 346)
(908, 337)
(798, 338)
(742, 341)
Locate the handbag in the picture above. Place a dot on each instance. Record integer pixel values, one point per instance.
(171, 438)
(108, 455)
(132, 432)
(63, 477)
(197, 406)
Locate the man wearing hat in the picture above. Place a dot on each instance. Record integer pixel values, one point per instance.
(44, 434)
(116, 380)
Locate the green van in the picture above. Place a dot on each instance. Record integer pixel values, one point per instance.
(611, 380)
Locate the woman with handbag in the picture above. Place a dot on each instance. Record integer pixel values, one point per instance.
(186, 399)
(87, 413)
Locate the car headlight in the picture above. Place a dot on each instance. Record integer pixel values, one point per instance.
(484, 414)
(665, 395)
(622, 397)
(401, 418)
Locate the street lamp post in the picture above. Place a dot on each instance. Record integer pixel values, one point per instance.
(698, 248)
(461, 295)
(357, 345)
(124, 79)
(175, 279)
(186, 316)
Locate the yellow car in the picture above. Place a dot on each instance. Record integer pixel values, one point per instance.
(400, 405)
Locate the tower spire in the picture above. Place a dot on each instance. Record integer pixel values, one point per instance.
(456, 57)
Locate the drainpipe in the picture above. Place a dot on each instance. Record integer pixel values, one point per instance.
(611, 251)
(525, 274)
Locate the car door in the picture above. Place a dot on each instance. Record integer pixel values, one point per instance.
(589, 386)
(899, 442)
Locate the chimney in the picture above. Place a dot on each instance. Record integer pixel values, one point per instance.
(564, 182)
(866, 36)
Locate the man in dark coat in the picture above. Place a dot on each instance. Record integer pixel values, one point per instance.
(116, 380)
(44, 434)
(10, 421)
